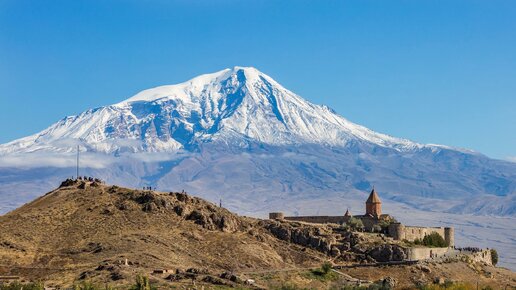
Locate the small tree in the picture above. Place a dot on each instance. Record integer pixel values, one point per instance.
(355, 224)
(326, 267)
(85, 286)
(494, 257)
(434, 240)
(142, 283)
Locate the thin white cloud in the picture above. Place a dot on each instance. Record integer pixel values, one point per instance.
(90, 160)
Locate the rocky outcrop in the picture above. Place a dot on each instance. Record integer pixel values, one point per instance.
(68, 182)
(300, 234)
(343, 246)
(388, 283)
(387, 253)
(190, 208)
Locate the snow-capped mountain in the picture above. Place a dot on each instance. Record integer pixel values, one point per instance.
(232, 106)
(239, 135)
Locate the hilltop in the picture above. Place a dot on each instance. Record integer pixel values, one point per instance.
(71, 231)
(89, 231)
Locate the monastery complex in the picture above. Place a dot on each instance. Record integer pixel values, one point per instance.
(375, 221)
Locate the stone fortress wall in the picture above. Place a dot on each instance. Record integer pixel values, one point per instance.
(410, 233)
(373, 218)
(397, 231)
(423, 253)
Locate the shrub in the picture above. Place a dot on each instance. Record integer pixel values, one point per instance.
(326, 267)
(452, 286)
(20, 286)
(370, 287)
(323, 273)
(355, 224)
(90, 286)
(288, 287)
(142, 283)
(494, 257)
(434, 240)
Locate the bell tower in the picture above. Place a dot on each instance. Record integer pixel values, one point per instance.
(373, 204)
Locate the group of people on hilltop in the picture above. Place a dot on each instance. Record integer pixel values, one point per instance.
(469, 249)
(90, 179)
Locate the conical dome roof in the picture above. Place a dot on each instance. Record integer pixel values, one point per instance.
(373, 197)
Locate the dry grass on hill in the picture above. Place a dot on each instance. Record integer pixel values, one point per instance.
(68, 233)
(87, 232)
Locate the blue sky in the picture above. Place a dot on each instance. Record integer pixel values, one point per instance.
(431, 71)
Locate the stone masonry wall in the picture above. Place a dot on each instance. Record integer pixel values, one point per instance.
(412, 233)
(425, 253)
(318, 219)
(482, 256)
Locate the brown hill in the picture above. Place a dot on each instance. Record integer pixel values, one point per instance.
(90, 231)
(70, 231)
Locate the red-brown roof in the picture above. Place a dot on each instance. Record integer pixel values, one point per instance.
(373, 197)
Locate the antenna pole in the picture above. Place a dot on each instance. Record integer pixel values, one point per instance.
(77, 161)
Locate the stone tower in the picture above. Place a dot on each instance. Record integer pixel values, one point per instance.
(373, 204)
(397, 231)
(449, 236)
(276, 216)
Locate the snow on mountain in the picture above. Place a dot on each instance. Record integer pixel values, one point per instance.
(231, 105)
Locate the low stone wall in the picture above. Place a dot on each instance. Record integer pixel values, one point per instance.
(317, 219)
(426, 253)
(368, 222)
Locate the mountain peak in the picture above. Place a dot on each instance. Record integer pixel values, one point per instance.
(234, 106)
(196, 85)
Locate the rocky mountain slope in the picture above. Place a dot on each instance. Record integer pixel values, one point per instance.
(88, 231)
